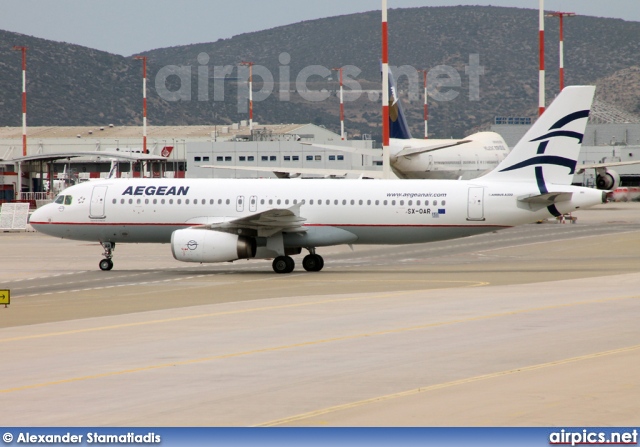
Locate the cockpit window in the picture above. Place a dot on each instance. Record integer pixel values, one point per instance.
(67, 200)
(59, 200)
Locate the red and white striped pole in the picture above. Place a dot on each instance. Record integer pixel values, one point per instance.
(24, 98)
(426, 107)
(541, 99)
(386, 168)
(250, 64)
(561, 15)
(339, 70)
(144, 103)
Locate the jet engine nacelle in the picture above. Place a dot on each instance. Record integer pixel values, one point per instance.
(200, 245)
(607, 179)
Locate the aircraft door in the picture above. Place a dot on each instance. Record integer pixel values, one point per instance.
(240, 204)
(253, 204)
(96, 209)
(475, 205)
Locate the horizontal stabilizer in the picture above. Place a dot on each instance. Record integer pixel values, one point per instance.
(547, 198)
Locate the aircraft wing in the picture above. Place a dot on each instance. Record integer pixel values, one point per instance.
(351, 150)
(315, 171)
(582, 168)
(410, 151)
(264, 224)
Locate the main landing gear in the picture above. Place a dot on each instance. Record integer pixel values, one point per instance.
(107, 263)
(311, 263)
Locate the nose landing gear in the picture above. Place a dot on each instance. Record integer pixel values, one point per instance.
(107, 263)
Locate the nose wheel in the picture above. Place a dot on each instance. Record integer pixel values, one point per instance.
(107, 263)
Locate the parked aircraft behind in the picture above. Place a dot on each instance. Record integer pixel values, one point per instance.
(412, 158)
(219, 220)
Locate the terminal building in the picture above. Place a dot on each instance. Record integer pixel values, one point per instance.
(59, 156)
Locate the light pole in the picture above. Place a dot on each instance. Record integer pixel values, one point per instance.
(541, 99)
(386, 169)
(561, 15)
(426, 107)
(144, 102)
(250, 65)
(24, 98)
(339, 70)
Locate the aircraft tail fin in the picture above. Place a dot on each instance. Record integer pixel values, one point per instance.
(548, 152)
(398, 127)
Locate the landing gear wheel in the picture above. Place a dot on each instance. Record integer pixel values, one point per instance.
(106, 264)
(283, 264)
(313, 263)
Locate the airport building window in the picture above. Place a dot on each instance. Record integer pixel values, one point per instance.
(332, 157)
(264, 158)
(197, 159)
(251, 158)
(219, 158)
(205, 158)
(318, 157)
(309, 157)
(227, 158)
(340, 157)
(243, 158)
(296, 158)
(287, 158)
(272, 158)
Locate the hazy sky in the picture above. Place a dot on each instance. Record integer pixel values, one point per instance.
(127, 27)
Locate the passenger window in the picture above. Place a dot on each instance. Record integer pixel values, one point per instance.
(59, 200)
(261, 201)
(162, 201)
(146, 201)
(278, 201)
(286, 202)
(344, 202)
(155, 201)
(311, 202)
(122, 201)
(219, 201)
(401, 202)
(228, 201)
(130, 201)
(270, 201)
(418, 203)
(360, 202)
(353, 202)
(368, 202)
(67, 200)
(114, 201)
(443, 202)
(377, 202)
(410, 202)
(186, 202)
(384, 203)
(393, 202)
(170, 201)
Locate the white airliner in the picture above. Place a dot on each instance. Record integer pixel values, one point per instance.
(412, 158)
(218, 220)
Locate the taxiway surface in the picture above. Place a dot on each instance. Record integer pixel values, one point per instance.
(535, 325)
